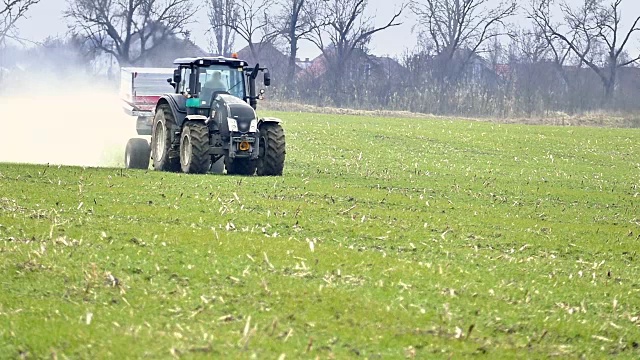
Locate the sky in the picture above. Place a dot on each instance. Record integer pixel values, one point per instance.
(46, 19)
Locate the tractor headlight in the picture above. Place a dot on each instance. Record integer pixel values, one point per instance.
(254, 126)
(233, 124)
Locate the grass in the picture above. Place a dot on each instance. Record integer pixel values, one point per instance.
(386, 238)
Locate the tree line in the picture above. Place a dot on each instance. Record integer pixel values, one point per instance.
(469, 57)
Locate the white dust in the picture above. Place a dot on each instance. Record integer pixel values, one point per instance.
(84, 126)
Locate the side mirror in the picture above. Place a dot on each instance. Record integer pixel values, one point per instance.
(267, 78)
(172, 83)
(176, 76)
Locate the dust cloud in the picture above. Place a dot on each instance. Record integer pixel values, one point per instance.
(82, 125)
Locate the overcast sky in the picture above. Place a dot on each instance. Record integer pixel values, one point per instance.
(46, 19)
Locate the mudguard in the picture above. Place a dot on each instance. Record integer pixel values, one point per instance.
(269, 120)
(196, 118)
(178, 106)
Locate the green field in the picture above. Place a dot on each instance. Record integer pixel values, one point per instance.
(385, 238)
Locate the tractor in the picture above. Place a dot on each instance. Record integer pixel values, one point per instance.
(209, 123)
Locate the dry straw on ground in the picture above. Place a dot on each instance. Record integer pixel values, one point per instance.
(595, 119)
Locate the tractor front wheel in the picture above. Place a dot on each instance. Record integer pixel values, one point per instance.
(161, 140)
(194, 148)
(272, 150)
(136, 155)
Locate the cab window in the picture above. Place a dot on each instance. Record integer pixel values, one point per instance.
(184, 82)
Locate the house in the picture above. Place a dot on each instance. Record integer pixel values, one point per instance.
(267, 55)
(303, 64)
(503, 70)
(172, 48)
(387, 66)
(163, 54)
(313, 69)
(361, 66)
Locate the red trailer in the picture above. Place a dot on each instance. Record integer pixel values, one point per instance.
(140, 89)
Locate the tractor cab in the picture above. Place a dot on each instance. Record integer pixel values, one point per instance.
(200, 80)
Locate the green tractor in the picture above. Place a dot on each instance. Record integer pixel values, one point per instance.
(209, 123)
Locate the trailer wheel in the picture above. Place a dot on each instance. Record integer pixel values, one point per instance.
(194, 148)
(137, 153)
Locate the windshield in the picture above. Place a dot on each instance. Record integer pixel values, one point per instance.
(220, 78)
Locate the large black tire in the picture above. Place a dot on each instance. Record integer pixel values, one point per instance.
(194, 148)
(137, 153)
(163, 159)
(272, 150)
(240, 166)
(218, 166)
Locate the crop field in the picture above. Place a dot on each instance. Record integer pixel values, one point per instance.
(385, 238)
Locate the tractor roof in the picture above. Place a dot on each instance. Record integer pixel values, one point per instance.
(209, 60)
(147, 70)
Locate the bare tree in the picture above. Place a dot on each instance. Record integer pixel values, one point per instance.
(559, 52)
(221, 14)
(129, 29)
(62, 57)
(595, 24)
(254, 23)
(540, 14)
(531, 72)
(10, 12)
(454, 25)
(347, 29)
(297, 20)
(529, 46)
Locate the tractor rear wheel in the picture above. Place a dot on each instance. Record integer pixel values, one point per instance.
(194, 148)
(240, 166)
(272, 150)
(161, 140)
(136, 155)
